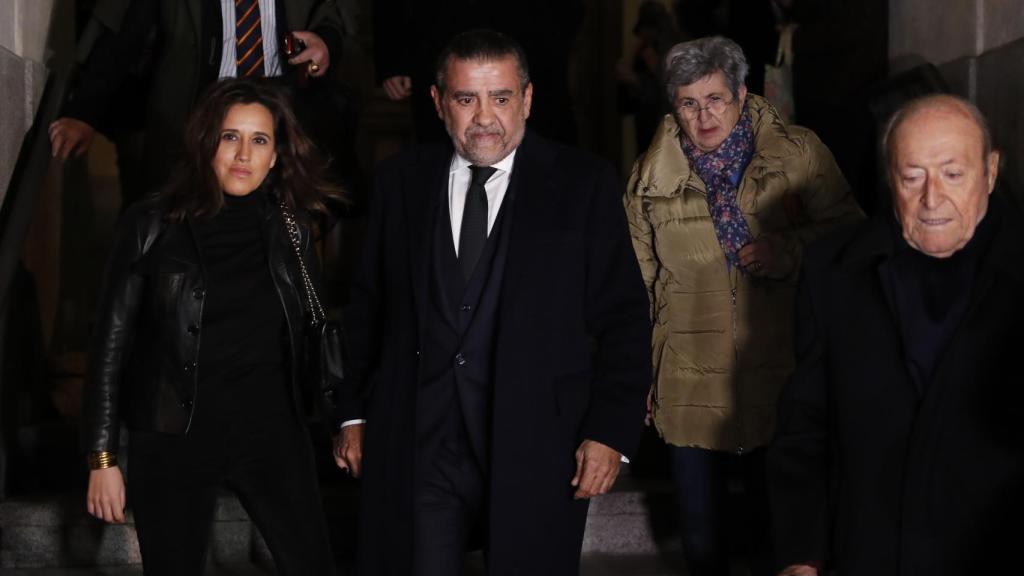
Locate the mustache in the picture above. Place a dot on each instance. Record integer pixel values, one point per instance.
(473, 131)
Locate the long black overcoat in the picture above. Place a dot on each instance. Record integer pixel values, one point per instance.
(572, 358)
(874, 475)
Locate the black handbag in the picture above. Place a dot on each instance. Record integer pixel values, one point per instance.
(325, 339)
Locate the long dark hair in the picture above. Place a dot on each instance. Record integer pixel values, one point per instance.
(298, 177)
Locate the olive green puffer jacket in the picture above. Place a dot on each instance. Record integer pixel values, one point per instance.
(723, 340)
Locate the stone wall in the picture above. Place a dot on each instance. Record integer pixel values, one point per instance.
(978, 46)
(24, 30)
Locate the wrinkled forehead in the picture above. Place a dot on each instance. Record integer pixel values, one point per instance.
(941, 126)
(506, 67)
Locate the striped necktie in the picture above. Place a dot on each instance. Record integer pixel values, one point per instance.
(248, 38)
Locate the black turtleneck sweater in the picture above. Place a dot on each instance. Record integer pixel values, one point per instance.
(243, 343)
(931, 296)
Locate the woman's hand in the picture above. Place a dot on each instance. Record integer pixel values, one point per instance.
(348, 449)
(766, 257)
(105, 499)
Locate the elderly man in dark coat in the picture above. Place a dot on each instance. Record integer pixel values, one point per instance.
(900, 448)
(499, 327)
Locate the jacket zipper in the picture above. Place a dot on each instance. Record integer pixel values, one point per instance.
(733, 282)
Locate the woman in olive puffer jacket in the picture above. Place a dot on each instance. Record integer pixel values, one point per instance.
(720, 207)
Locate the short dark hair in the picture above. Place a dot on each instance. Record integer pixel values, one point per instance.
(481, 44)
(934, 101)
(298, 177)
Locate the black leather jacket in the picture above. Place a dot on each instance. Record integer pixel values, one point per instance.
(142, 364)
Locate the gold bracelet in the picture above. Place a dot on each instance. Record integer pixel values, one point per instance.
(101, 460)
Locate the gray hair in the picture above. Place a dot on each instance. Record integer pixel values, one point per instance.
(934, 101)
(690, 61)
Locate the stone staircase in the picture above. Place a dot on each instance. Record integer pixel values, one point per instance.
(56, 532)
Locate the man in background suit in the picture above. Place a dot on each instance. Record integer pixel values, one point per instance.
(499, 332)
(408, 36)
(184, 46)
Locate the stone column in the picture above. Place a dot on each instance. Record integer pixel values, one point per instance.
(24, 29)
(978, 46)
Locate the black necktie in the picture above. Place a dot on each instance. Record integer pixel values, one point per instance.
(473, 234)
(248, 39)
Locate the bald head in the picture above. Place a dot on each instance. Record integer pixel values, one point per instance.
(941, 170)
(936, 102)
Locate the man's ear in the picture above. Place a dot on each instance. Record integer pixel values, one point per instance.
(527, 100)
(993, 170)
(435, 94)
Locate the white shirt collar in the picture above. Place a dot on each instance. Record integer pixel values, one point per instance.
(504, 165)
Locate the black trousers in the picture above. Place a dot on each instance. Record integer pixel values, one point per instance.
(450, 513)
(255, 447)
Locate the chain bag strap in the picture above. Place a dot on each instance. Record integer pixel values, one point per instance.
(316, 309)
(325, 359)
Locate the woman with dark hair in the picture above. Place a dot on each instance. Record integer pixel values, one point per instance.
(199, 337)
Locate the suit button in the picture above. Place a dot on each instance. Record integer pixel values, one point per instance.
(193, 329)
(190, 367)
(186, 403)
(198, 293)
(466, 308)
(460, 359)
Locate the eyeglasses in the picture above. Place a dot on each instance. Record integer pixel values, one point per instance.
(690, 109)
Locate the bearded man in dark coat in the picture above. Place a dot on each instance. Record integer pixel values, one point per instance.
(500, 337)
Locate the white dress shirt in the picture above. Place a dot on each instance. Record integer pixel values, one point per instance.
(459, 176)
(268, 26)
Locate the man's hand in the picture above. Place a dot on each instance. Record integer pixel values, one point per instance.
(69, 136)
(315, 56)
(597, 466)
(348, 449)
(765, 257)
(398, 87)
(105, 498)
(799, 570)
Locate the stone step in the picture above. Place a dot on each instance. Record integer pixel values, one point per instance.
(591, 565)
(55, 531)
(635, 518)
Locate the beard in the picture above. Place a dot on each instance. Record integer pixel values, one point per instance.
(483, 146)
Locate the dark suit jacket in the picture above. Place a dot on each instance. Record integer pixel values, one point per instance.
(182, 39)
(872, 473)
(572, 358)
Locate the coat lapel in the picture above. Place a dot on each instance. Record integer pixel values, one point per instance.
(424, 188)
(533, 221)
(195, 13)
(866, 259)
(999, 281)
